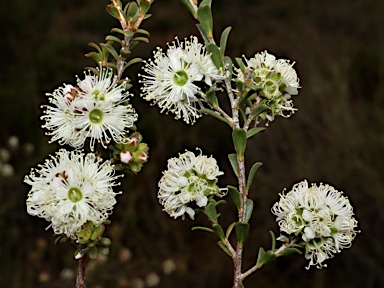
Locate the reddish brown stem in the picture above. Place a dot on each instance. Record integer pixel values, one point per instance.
(80, 280)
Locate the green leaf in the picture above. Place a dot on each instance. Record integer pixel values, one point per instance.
(113, 11)
(273, 238)
(103, 250)
(224, 39)
(242, 231)
(147, 16)
(239, 137)
(204, 15)
(113, 39)
(239, 85)
(125, 52)
(133, 61)
(246, 95)
(289, 251)
(105, 241)
(142, 31)
(61, 239)
(235, 195)
(215, 55)
(97, 232)
(144, 6)
(254, 131)
(229, 230)
(219, 231)
(248, 209)
(110, 50)
(94, 45)
(243, 114)
(133, 44)
(265, 257)
(233, 160)
(206, 2)
(133, 12)
(211, 96)
(214, 114)
(190, 8)
(125, 33)
(92, 252)
(220, 202)
(252, 175)
(201, 228)
(141, 39)
(225, 249)
(260, 109)
(240, 62)
(210, 210)
(95, 56)
(203, 33)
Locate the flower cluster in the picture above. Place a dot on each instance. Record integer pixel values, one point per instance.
(132, 155)
(189, 179)
(97, 108)
(70, 189)
(173, 79)
(321, 216)
(274, 79)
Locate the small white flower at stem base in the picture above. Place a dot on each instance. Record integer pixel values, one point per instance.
(321, 216)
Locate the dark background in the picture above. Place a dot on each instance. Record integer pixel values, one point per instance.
(337, 137)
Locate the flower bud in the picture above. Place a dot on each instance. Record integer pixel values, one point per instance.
(125, 156)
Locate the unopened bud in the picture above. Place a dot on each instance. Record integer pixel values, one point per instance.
(140, 156)
(132, 141)
(125, 157)
(143, 156)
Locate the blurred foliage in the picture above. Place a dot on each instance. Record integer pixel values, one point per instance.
(337, 136)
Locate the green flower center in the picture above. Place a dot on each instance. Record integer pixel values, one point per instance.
(74, 194)
(98, 95)
(96, 116)
(180, 78)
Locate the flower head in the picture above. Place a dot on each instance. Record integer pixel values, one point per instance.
(321, 216)
(97, 108)
(70, 189)
(172, 79)
(188, 182)
(274, 79)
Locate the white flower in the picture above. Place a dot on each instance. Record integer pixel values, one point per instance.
(196, 53)
(321, 216)
(101, 87)
(172, 78)
(70, 189)
(273, 75)
(275, 80)
(102, 121)
(60, 118)
(189, 179)
(96, 108)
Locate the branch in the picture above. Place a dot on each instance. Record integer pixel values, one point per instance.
(80, 280)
